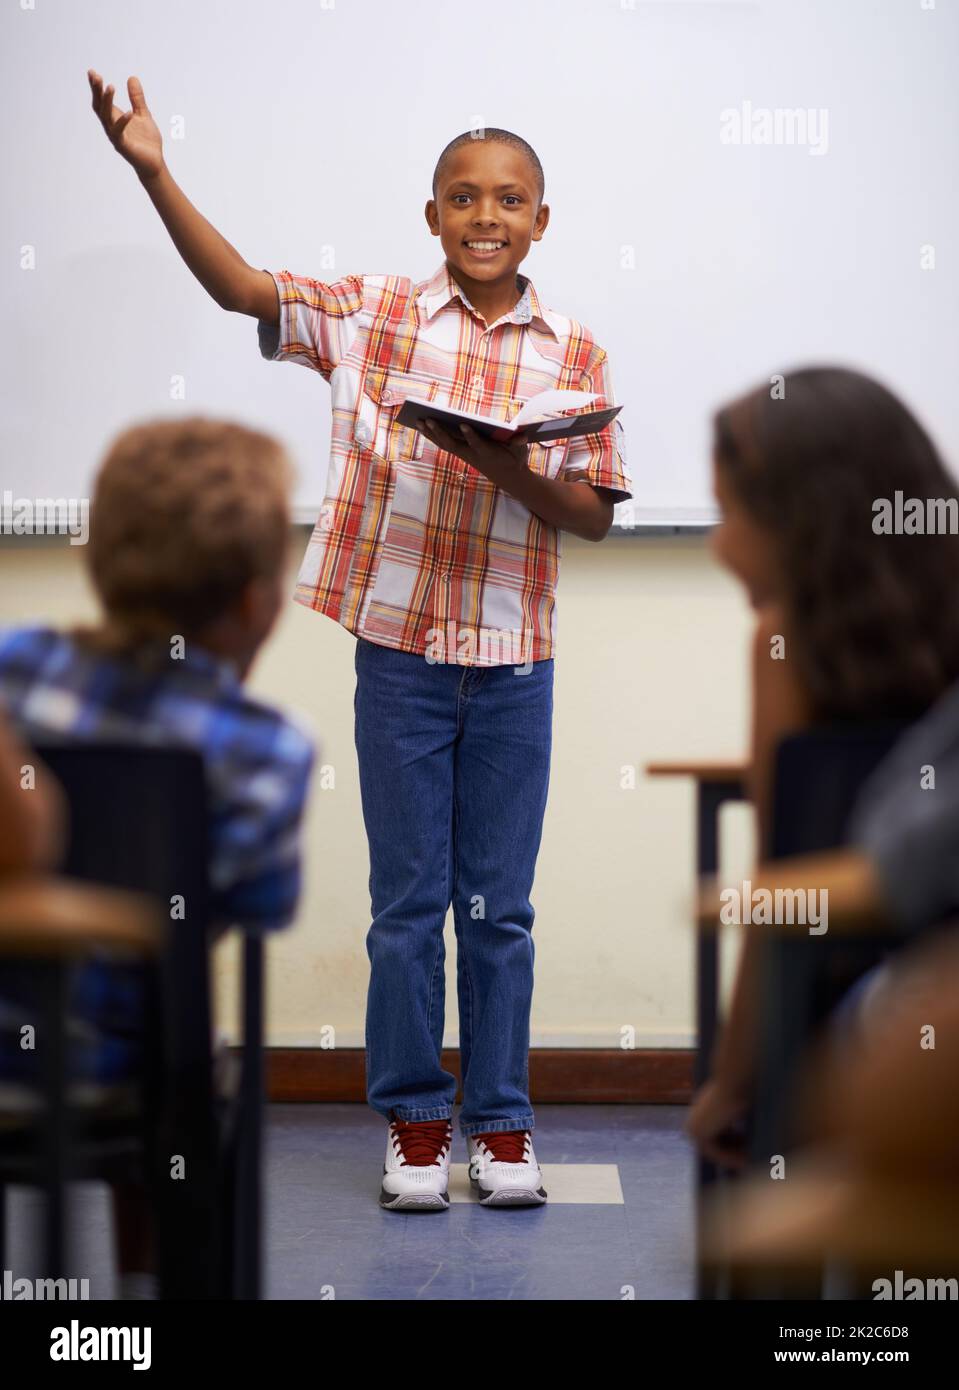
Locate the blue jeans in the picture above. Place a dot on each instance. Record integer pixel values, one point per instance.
(454, 770)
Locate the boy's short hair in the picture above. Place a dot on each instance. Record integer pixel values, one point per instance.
(501, 137)
(185, 513)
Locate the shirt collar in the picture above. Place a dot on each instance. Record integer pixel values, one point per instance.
(441, 288)
(153, 655)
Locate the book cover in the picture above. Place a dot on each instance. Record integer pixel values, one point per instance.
(530, 420)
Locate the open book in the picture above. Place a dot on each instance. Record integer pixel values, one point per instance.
(530, 419)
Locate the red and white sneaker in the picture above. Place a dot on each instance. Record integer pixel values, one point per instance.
(503, 1169)
(416, 1173)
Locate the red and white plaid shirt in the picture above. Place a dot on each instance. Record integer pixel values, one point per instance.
(414, 548)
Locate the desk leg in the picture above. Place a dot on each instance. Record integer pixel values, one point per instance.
(248, 1215)
(710, 797)
(55, 1126)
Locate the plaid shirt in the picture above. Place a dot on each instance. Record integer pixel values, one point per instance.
(257, 761)
(411, 541)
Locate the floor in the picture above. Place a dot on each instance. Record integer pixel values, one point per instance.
(618, 1223)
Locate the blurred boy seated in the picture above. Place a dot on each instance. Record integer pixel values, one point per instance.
(189, 533)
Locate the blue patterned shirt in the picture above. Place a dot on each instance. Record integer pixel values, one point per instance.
(257, 760)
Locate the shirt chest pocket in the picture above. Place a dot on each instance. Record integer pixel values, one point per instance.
(375, 424)
(548, 456)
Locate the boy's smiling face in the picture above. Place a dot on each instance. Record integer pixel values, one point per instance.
(486, 193)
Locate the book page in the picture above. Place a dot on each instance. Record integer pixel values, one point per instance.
(550, 400)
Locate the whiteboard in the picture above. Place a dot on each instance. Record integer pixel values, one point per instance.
(307, 133)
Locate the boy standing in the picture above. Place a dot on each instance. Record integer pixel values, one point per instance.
(440, 554)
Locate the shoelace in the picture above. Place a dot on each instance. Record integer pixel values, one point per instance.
(509, 1147)
(420, 1143)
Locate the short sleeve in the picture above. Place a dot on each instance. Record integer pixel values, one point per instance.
(600, 458)
(908, 823)
(317, 321)
(256, 831)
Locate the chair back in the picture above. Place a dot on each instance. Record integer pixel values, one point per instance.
(138, 819)
(819, 774)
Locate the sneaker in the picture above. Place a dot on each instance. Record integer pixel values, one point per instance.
(416, 1174)
(504, 1170)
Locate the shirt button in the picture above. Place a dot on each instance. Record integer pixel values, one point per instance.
(387, 396)
(363, 432)
(479, 382)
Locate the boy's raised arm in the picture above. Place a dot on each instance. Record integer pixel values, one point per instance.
(218, 266)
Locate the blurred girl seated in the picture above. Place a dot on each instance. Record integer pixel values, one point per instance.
(851, 624)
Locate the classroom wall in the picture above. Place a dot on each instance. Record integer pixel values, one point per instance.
(651, 663)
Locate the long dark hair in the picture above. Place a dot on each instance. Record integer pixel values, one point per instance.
(874, 617)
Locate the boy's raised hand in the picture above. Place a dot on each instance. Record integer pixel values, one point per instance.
(133, 133)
